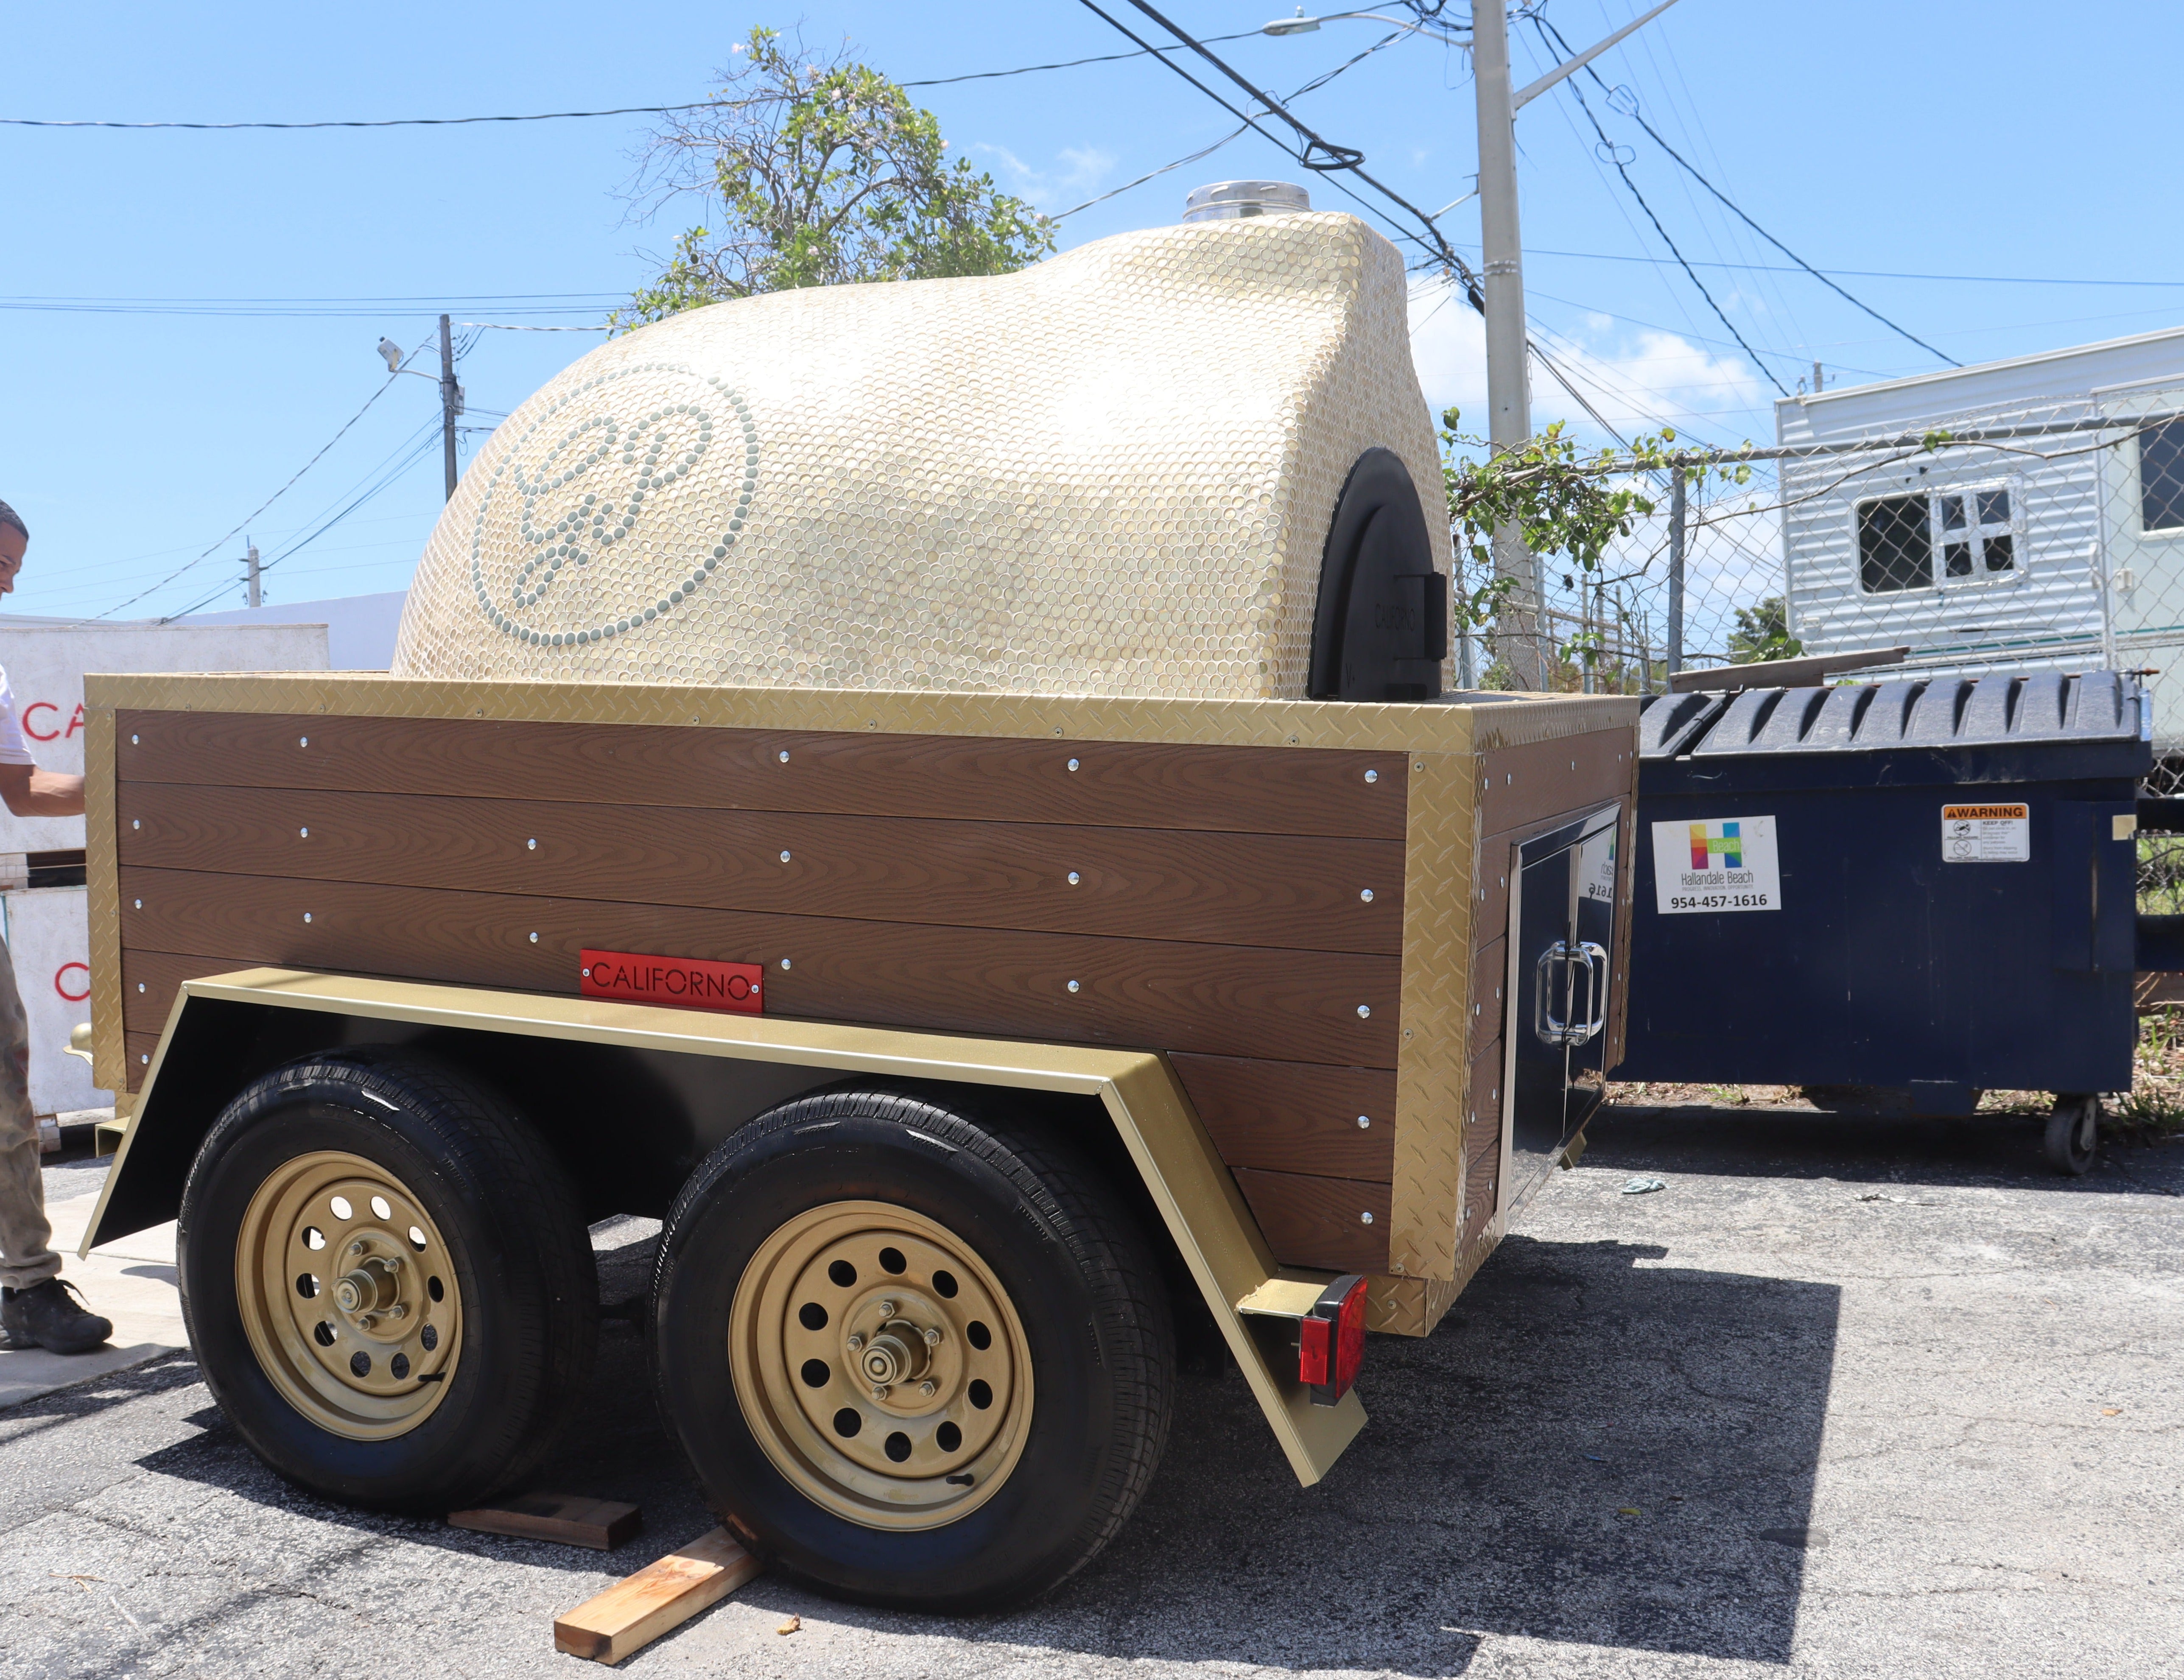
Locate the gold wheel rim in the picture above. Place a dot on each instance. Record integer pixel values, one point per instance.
(347, 1295)
(881, 1366)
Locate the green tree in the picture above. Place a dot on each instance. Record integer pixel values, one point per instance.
(1559, 501)
(824, 174)
(1762, 633)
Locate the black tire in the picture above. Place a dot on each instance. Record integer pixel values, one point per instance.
(2073, 1138)
(1091, 1302)
(514, 1237)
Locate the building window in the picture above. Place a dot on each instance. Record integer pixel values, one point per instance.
(1972, 533)
(1895, 544)
(2161, 477)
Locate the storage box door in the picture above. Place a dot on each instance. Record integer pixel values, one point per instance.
(1562, 927)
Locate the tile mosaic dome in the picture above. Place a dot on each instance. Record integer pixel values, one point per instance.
(1110, 474)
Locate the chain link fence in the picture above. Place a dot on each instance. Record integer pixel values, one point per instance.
(2041, 536)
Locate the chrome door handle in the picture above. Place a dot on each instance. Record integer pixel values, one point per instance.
(1547, 1026)
(1596, 986)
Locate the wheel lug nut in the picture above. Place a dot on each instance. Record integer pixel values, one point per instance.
(927, 1389)
(356, 1247)
(879, 1391)
(397, 1310)
(887, 1309)
(932, 1337)
(855, 1343)
(366, 1321)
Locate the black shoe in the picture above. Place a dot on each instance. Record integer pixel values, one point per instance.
(43, 1316)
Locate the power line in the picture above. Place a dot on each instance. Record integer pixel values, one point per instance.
(1609, 152)
(1733, 209)
(242, 522)
(1066, 64)
(1855, 274)
(375, 122)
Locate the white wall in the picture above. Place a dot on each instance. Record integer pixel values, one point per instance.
(46, 661)
(360, 629)
(48, 941)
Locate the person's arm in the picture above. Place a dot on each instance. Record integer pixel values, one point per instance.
(28, 791)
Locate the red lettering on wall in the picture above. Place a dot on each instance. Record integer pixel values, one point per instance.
(31, 729)
(681, 982)
(75, 723)
(61, 981)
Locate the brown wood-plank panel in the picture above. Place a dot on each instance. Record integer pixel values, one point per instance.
(1336, 1007)
(1320, 1222)
(1299, 892)
(1251, 790)
(1490, 974)
(1286, 1117)
(1519, 785)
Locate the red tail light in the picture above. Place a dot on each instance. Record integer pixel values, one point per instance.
(1331, 1341)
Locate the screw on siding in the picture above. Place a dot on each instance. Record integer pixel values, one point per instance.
(1366, 895)
(534, 938)
(1073, 764)
(307, 915)
(784, 755)
(1073, 986)
(132, 740)
(1372, 775)
(1364, 1011)
(1072, 878)
(531, 845)
(303, 833)
(1365, 1218)
(784, 962)
(784, 856)
(1364, 1121)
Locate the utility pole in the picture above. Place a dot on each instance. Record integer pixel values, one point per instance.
(451, 404)
(250, 570)
(1521, 619)
(1675, 564)
(1508, 372)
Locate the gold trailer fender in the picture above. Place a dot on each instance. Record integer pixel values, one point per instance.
(1197, 1200)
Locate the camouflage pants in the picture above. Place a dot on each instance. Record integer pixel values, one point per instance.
(26, 1254)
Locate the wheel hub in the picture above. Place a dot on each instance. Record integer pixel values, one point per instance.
(882, 1367)
(348, 1296)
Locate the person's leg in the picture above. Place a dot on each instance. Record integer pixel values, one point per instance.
(26, 1254)
(35, 1308)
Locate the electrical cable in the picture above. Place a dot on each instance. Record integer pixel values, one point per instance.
(1550, 29)
(1065, 64)
(1609, 152)
(244, 521)
(378, 122)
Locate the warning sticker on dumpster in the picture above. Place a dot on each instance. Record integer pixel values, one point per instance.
(1986, 834)
(1716, 864)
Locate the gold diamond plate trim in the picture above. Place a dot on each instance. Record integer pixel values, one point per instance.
(1445, 726)
(1432, 1060)
(1112, 472)
(109, 1052)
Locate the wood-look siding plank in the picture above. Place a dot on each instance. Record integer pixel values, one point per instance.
(1320, 1222)
(1307, 892)
(1489, 975)
(1160, 994)
(1519, 785)
(1251, 790)
(1286, 1117)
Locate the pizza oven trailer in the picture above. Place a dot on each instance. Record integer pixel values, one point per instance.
(1014, 707)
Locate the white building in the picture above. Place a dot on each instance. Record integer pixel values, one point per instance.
(2057, 540)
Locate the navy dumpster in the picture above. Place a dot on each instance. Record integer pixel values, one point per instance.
(1924, 887)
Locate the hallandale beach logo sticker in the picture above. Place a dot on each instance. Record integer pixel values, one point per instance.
(1716, 864)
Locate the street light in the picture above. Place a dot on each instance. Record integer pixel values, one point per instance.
(393, 352)
(1301, 25)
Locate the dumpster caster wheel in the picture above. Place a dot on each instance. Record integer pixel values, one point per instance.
(910, 1344)
(2074, 1134)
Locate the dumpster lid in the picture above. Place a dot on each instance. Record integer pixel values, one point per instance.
(2000, 708)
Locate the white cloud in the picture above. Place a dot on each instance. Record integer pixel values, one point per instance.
(1080, 170)
(1638, 379)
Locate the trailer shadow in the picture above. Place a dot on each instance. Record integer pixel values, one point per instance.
(1592, 1449)
(1797, 1143)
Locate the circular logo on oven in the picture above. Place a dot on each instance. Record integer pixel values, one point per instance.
(614, 505)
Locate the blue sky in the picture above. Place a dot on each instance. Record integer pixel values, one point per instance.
(146, 411)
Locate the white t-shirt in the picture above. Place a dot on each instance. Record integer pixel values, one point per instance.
(13, 749)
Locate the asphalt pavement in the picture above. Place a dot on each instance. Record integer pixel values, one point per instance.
(1841, 1399)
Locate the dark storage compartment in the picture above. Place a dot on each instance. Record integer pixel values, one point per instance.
(1924, 887)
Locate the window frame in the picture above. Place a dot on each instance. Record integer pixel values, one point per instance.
(1975, 532)
(2139, 473)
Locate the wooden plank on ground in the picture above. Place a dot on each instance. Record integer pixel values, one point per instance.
(632, 1613)
(1251, 790)
(570, 1519)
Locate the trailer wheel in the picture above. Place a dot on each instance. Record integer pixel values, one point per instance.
(2074, 1134)
(386, 1281)
(924, 1356)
